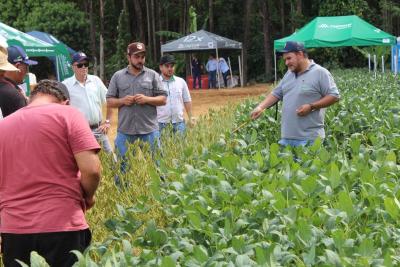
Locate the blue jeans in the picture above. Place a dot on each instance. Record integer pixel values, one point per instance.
(212, 79)
(295, 142)
(177, 127)
(123, 140)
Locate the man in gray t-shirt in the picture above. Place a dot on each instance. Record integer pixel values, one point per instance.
(136, 91)
(306, 90)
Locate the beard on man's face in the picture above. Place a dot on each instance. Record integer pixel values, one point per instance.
(137, 66)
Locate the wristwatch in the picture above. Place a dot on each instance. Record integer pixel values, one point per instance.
(107, 121)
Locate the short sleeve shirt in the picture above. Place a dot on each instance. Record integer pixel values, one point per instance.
(178, 94)
(40, 187)
(296, 90)
(11, 99)
(88, 97)
(136, 118)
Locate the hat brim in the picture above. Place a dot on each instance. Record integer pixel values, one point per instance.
(168, 62)
(138, 52)
(8, 67)
(81, 59)
(290, 51)
(30, 62)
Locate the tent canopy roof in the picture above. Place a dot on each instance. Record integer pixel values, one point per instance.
(49, 38)
(37, 48)
(31, 45)
(200, 40)
(336, 32)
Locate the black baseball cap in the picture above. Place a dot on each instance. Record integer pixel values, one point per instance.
(167, 59)
(293, 46)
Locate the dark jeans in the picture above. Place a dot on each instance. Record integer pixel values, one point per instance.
(54, 247)
(198, 78)
(212, 79)
(225, 76)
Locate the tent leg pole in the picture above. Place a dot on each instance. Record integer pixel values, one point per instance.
(191, 67)
(58, 70)
(275, 65)
(230, 70)
(241, 67)
(375, 66)
(369, 62)
(219, 85)
(240, 72)
(396, 65)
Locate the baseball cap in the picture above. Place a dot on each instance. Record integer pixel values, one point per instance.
(79, 56)
(17, 54)
(167, 59)
(293, 46)
(135, 48)
(4, 64)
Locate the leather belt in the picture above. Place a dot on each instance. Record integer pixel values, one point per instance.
(94, 126)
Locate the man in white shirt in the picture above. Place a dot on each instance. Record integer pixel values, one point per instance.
(178, 98)
(88, 94)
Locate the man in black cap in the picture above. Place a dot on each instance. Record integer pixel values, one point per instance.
(306, 90)
(44, 199)
(12, 97)
(178, 98)
(136, 91)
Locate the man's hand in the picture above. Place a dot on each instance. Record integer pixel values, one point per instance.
(89, 202)
(304, 110)
(191, 122)
(104, 127)
(256, 113)
(141, 99)
(128, 100)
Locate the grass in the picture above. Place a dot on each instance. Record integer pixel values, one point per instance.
(207, 130)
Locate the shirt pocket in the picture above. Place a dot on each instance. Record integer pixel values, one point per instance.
(124, 89)
(308, 90)
(145, 88)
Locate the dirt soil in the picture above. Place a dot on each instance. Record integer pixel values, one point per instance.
(203, 100)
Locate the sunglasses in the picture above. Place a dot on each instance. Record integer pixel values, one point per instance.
(81, 65)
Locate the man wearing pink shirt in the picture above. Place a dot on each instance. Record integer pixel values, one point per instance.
(49, 172)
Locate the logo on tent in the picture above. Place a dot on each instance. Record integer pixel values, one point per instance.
(189, 39)
(335, 26)
(210, 45)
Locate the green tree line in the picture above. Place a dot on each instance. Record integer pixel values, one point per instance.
(103, 28)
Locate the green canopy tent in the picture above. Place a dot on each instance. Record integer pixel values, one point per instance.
(337, 32)
(37, 48)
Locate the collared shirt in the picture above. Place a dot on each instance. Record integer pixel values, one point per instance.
(88, 97)
(211, 65)
(299, 89)
(178, 94)
(11, 97)
(223, 67)
(136, 118)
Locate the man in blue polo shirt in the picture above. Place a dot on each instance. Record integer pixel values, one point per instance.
(306, 90)
(88, 94)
